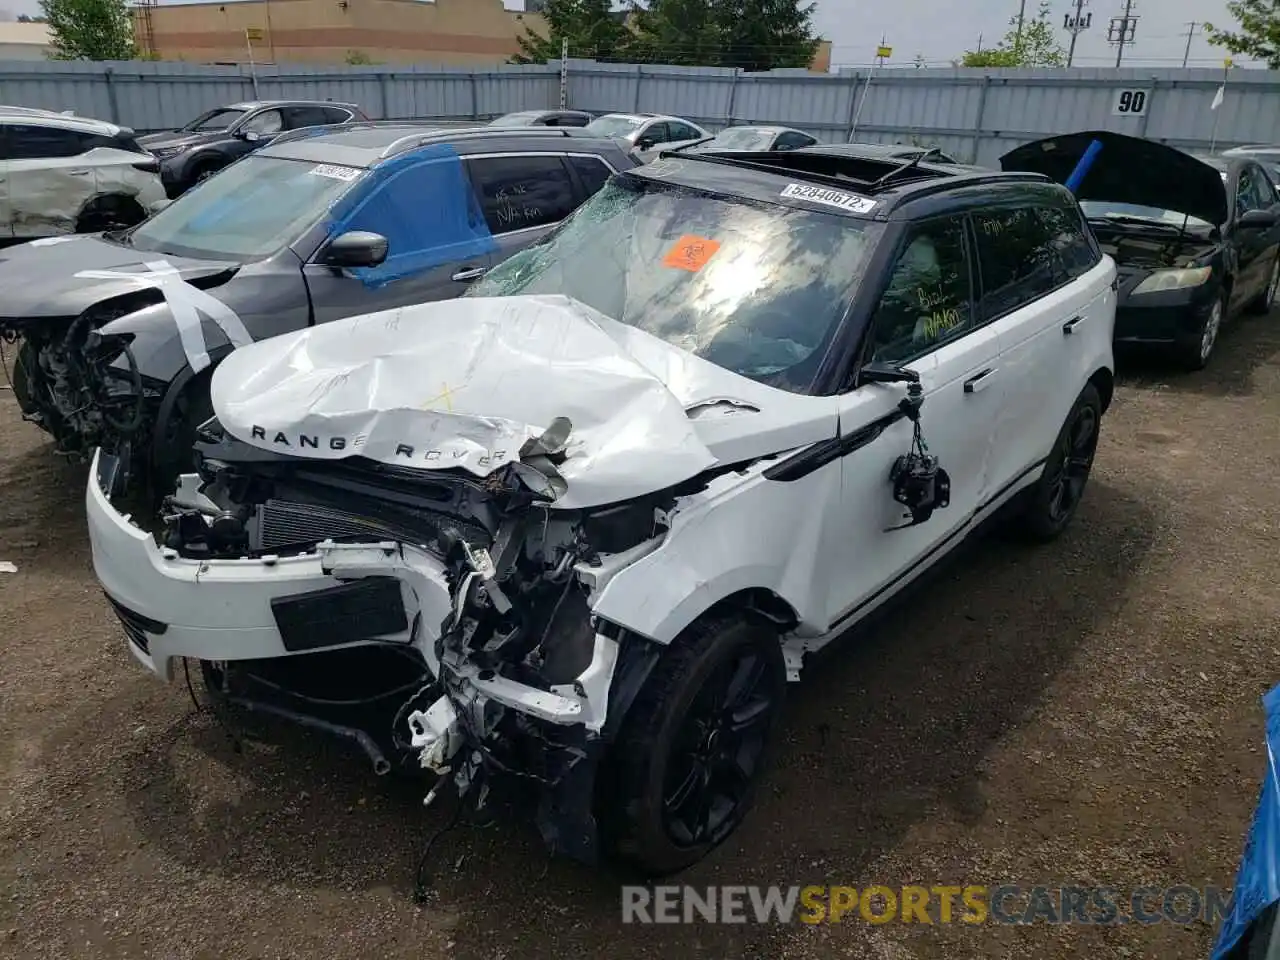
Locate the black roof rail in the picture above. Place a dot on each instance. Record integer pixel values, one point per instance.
(305, 133)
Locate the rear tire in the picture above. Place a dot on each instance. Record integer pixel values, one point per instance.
(680, 777)
(1052, 501)
(1266, 300)
(114, 212)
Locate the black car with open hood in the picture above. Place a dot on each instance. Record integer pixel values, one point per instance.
(1195, 239)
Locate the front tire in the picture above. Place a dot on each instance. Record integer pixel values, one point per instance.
(1052, 501)
(1197, 351)
(683, 769)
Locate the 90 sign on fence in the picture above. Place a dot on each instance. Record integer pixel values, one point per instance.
(1130, 103)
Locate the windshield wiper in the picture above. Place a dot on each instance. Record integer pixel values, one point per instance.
(1137, 222)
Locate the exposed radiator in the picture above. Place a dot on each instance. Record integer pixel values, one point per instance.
(284, 523)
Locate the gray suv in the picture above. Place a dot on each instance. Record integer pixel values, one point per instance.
(120, 331)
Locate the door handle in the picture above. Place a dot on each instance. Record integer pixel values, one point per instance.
(979, 380)
(467, 274)
(78, 173)
(1069, 327)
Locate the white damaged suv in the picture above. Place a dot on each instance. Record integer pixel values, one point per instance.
(582, 525)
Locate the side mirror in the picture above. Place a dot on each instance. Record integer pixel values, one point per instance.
(645, 143)
(886, 373)
(355, 248)
(160, 204)
(250, 136)
(1258, 219)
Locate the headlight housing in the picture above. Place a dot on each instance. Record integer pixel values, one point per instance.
(1178, 279)
(164, 153)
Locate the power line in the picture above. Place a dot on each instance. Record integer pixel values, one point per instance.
(1122, 30)
(1076, 25)
(1191, 32)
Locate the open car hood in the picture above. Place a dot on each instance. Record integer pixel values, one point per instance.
(1128, 170)
(465, 384)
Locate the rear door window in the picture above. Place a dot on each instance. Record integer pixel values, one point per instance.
(295, 117)
(1017, 259)
(522, 192)
(794, 141)
(336, 114)
(31, 142)
(1075, 249)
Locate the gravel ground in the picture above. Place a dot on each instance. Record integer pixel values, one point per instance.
(1082, 713)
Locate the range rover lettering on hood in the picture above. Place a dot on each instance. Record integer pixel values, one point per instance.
(1128, 170)
(470, 384)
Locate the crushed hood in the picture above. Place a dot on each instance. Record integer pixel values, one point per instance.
(39, 278)
(464, 384)
(1128, 170)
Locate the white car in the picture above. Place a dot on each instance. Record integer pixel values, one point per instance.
(584, 523)
(62, 174)
(646, 134)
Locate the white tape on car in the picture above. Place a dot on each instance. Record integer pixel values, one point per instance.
(186, 303)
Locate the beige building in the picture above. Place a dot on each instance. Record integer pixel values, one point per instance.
(23, 41)
(331, 31)
(334, 31)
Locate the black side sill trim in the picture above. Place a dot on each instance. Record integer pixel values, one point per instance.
(959, 533)
(816, 457)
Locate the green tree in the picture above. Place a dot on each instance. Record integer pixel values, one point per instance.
(588, 25)
(751, 34)
(89, 29)
(1259, 34)
(766, 34)
(1035, 46)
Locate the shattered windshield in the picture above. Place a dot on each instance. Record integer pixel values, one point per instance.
(757, 289)
(250, 210)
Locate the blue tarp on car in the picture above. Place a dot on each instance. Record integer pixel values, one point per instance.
(1258, 878)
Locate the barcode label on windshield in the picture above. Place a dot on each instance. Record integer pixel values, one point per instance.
(831, 198)
(335, 172)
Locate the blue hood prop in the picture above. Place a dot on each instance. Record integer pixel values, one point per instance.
(1082, 168)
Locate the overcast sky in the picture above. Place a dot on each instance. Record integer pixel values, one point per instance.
(941, 30)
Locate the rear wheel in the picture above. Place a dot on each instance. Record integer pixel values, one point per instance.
(683, 769)
(1266, 300)
(1052, 501)
(110, 213)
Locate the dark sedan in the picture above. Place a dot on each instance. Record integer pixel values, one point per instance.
(225, 134)
(1196, 239)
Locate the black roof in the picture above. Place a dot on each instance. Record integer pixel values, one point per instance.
(851, 185)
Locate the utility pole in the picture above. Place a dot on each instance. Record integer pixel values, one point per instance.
(1076, 25)
(1191, 32)
(1022, 17)
(1122, 30)
(979, 43)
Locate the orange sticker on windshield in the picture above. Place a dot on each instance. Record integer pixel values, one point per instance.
(691, 253)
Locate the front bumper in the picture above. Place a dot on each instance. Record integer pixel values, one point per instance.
(172, 607)
(1173, 316)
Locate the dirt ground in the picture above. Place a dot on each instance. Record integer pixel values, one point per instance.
(1085, 713)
